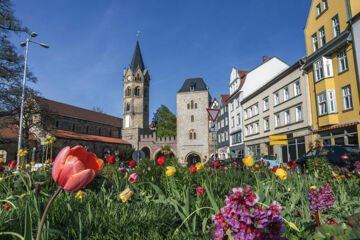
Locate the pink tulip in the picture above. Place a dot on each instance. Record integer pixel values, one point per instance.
(133, 178)
(75, 168)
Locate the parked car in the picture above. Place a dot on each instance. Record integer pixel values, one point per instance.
(342, 156)
(268, 159)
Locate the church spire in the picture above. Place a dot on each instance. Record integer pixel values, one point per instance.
(137, 61)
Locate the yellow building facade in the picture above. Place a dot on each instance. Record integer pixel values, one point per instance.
(331, 68)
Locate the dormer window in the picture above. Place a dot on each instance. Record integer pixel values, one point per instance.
(192, 87)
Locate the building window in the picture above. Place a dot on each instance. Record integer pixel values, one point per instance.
(222, 137)
(297, 90)
(245, 114)
(314, 42)
(277, 120)
(322, 103)
(238, 103)
(192, 134)
(128, 91)
(325, 5)
(226, 136)
(195, 105)
(256, 127)
(250, 129)
(246, 130)
(336, 26)
(287, 116)
(57, 124)
(318, 70)
(256, 109)
(232, 122)
(188, 106)
(276, 98)
(298, 113)
(222, 111)
(231, 106)
(238, 119)
(127, 107)
(192, 104)
(137, 91)
(192, 118)
(342, 60)
(286, 93)
(266, 124)
(322, 38)
(219, 139)
(226, 121)
(249, 112)
(347, 98)
(326, 102)
(266, 104)
(99, 131)
(318, 10)
(222, 123)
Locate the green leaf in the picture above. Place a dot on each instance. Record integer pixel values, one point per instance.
(28, 224)
(210, 195)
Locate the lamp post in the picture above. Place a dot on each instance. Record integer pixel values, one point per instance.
(32, 35)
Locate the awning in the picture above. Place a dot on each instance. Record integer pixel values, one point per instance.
(336, 126)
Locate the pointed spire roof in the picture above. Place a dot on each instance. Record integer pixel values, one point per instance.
(137, 60)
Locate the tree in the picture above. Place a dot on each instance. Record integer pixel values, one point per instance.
(165, 122)
(97, 109)
(11, 72)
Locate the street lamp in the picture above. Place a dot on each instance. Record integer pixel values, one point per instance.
(32, 35)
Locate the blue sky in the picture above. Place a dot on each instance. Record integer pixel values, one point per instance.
(92, 41)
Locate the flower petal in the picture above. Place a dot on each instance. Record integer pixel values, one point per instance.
(79, 180)
(72, 166)
(59, 163)
(94, 163)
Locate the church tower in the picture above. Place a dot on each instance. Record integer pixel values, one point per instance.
(135, 99)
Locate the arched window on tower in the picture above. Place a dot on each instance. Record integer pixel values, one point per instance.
(137, 78)
(192, 134)
(137, 91)
(192, 118)
(128, 107)
(192, 104)
(128, 92)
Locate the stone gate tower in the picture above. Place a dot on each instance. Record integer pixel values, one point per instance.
(136, 99)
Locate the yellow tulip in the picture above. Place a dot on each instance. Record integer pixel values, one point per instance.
(125, 195)
(170, 171)
(1, 179)
(248, 161)
(15, 172)
(289, 189)
(27, 166)
(313, 187)
(199, 166)
(32, 163)
(79, 195)
(256, 165)
(281, 173)
(22, 195)
(1, 160)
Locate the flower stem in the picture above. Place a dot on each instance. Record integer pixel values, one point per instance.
(317, 218)
(45, 213)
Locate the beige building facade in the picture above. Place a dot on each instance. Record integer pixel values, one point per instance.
(280, 107)
(192, 121)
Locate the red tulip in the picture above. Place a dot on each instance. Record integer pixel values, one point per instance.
(193, 169)
(275, 168)
(200, 190)
(50, 160)
(342, 176)
(12, 164)
(111, 173)
(6, 206)
(217, 164)
(316, 164)
(133, 178)
(123, 170)
(161, 160)
(75, 168)
(111, 159)
(132, 163)
(1, 169)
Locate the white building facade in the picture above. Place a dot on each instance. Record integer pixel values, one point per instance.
(242, 84)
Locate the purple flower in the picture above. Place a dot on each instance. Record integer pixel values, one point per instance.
(321, 198)
(247, 220)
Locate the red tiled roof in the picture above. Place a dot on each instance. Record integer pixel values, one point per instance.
(77, 112)
(225, 98)
(12, 131)
(242, 75)
(73, 135)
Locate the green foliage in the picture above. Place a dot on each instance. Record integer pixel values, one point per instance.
(163, 207)
(320, 168)
(124, 154)
(165, 122)
(341, 231)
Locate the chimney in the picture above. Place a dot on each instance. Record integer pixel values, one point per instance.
(265, 58)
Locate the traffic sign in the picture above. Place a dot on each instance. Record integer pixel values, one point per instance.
(214, 113)
(213, 127)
